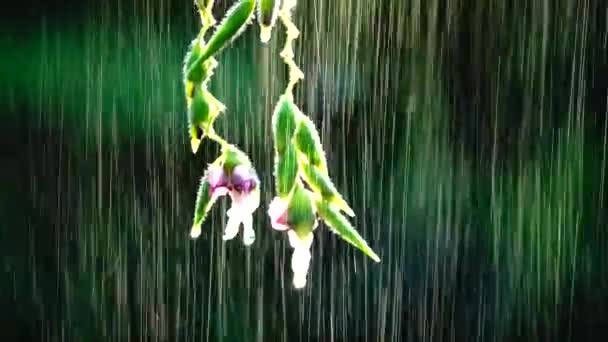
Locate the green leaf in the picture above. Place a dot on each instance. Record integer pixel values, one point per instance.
(308, 143)
(301, 215)
(229, 29)
(286, 170)
(284, 121)
(204, 203)
(340, 225)
(321, 184)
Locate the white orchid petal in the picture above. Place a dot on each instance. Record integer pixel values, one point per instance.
(296, 241)
(232, 226)
(248, 232)
(300, 262)
(246, 203)
(300, 259)
(299, 281)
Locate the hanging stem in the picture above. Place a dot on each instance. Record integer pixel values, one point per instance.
(295, 74)
(213, 136)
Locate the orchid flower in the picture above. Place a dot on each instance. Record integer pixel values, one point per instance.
(296, 215)
(233, 175)
(304, 189)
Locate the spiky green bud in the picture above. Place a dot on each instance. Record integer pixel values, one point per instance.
(284, 121)
(286, 170)
(228, 30)
(301, 216)
(203, 109)
(307, 141)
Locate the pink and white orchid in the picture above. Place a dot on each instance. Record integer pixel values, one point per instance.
(278, 211)
(242, 185)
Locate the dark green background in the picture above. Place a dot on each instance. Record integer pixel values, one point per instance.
(468, 136)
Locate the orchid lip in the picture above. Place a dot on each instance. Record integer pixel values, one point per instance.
(280, 226)
(242, 180)
(277, 210)
(219, 191)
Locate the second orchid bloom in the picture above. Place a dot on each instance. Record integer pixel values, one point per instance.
(305, 190)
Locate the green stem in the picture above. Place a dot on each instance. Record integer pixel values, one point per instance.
(213, 136)
(295, 74)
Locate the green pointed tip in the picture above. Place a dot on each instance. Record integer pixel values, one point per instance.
(340, 203)
(195, 232)
(204, 203)
(322, 185)
(195, 139)
(373, 256)
(340, 225)
(194, 145)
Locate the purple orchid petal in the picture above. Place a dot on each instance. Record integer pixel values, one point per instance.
(244, 179)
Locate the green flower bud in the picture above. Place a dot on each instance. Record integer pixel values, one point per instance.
(268, 11)
(284, 121)
(286, 170)
(307, 141)
(321, 184)
(229, 29)
(301, 216)
(203, 109)
(340, 225)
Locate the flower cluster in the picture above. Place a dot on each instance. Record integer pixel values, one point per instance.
(231, 173)
(304, 191)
